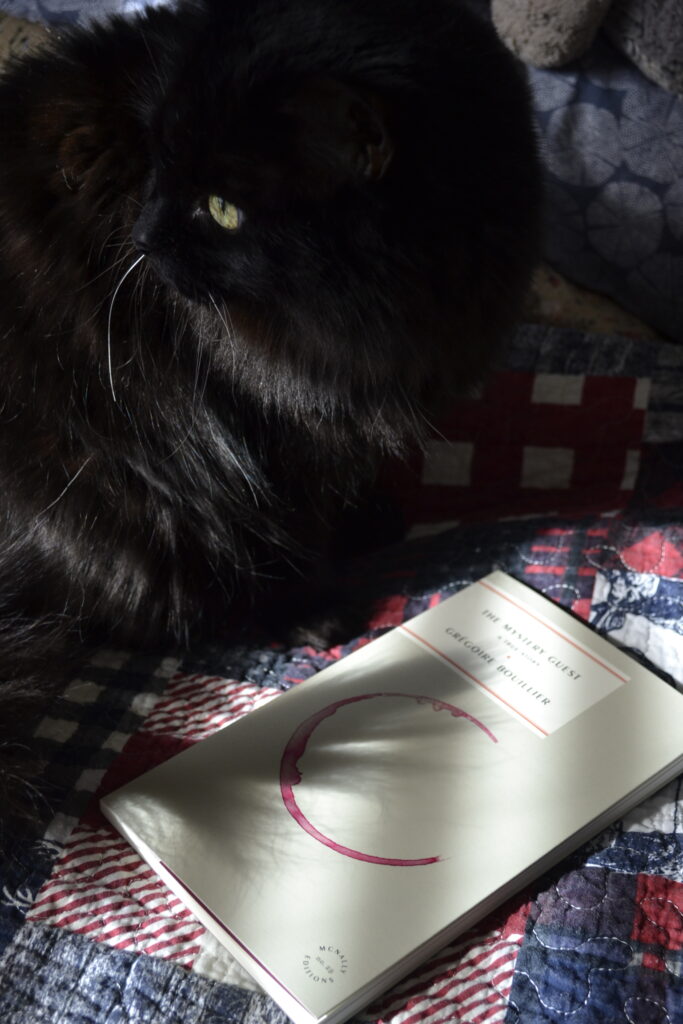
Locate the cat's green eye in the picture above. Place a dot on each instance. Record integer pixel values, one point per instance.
(226, 214)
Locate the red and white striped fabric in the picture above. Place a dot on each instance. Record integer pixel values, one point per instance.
(101, 888)
(195, 706)
(468, 983)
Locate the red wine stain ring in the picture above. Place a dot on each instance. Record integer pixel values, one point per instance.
(290, 776)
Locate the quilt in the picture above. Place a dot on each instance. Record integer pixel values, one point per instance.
(567, 472)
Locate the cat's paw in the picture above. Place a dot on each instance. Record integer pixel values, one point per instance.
(327, 630)
(320, 617)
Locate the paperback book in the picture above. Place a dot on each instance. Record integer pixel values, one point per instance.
(343, 833)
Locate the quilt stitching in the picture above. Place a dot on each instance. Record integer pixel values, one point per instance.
(575, 951)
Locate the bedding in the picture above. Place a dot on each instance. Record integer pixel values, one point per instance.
(612, 144)
(90, 936)
(566, 471)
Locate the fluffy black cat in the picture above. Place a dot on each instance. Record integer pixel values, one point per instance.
(245, 246)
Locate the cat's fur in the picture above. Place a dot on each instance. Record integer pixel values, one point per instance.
(175, 441)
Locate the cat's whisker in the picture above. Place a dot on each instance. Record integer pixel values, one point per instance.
(71, 482)
(132, 199)
(102, 273)
(116, 230)
(151, 56)
(138, 293)
(111, 310)
(198, 391)
(221, 317)
(419, 415)
(230, 330)
(197, 369)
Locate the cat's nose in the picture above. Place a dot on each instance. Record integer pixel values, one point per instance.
(148, 229)
(142, 237)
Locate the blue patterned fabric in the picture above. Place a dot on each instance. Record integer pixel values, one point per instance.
(612, 144)
(54, 976)
(581, 961)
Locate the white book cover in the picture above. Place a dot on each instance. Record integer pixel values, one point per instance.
(345, 831)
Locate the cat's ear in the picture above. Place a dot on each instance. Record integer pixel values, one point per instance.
(340, 131)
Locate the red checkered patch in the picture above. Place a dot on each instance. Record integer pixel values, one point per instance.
(530, 444)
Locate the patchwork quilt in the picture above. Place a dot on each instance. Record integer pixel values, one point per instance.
(567, 472)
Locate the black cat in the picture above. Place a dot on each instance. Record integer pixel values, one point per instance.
(245, 247)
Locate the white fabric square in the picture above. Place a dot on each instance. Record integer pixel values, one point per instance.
(143, 703)
(641, 393)
(549, 468)
(448, 462)
(558, 388)
(58, 729)
(658, 813)
(81, 691)
(116, 741)
(109, 659)
(166, 668)
(90, 779)
(60, 828)
(431, 529)
(215, 962)
(631, 467)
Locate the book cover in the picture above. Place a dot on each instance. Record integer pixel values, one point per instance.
(341, 834)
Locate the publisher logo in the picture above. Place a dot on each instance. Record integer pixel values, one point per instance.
(325, 965)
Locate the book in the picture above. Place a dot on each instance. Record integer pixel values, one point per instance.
(345, 831)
